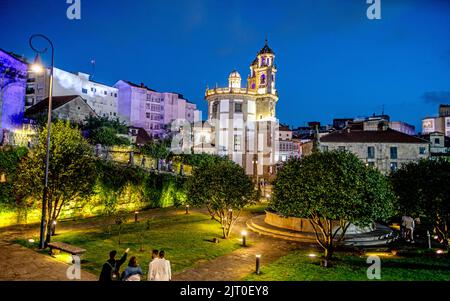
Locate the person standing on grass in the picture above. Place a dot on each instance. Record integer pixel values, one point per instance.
(160, 269)
(155, 256)
(410, 225)
(111, 268)
(133, 272)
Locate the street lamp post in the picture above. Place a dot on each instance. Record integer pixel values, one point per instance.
(38, 68)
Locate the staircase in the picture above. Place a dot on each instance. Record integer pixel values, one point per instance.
(380, 236)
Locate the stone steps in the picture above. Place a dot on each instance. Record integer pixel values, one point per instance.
(382, 235)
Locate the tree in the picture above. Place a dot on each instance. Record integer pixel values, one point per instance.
(105, 131)
(157, 149)
(332, 189)
(423, 190)
(223, 187)
(71, 170)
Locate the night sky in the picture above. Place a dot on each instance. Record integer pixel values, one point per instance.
(332, 61)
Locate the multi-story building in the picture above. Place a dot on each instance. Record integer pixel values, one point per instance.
(439, 144)
(439, 124)
(13, 78)
(100, 97)
(243, 118)
(377, 145)
(286, 146)
(154, 111)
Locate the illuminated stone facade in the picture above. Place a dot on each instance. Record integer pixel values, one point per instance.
(242, 119)
(13, 78)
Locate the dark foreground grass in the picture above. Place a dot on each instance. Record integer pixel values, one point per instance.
(186, 239)
(298, 266)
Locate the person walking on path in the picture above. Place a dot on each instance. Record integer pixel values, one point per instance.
(160, 269)
(133, 272)
(110, 269)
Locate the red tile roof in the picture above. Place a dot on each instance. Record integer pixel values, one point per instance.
(381, 136)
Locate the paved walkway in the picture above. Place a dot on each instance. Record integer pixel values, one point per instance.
(19, 263)
(242, 262)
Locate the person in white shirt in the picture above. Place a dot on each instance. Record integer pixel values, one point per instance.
(159, 269)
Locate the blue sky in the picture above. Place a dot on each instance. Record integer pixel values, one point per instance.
(332, 61)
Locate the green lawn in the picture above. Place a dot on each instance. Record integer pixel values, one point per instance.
(298, 266)
(184, 238)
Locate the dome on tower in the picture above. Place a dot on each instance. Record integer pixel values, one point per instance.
(234, 80)
(234, 74)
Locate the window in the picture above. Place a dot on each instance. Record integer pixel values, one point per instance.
(106, 93)
(115, 114)
(115, 94)
(84, 91)
(238, 107)
(147, 115)
(437, 141)
(341, 148)
(422, 150)
(393, 152)
(263, 79)
(215, 108)
(324, 148)
(371, 152)
(371, 164)
(394, 166)
(237, 142)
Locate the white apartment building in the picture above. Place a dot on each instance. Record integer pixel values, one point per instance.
(100, 97)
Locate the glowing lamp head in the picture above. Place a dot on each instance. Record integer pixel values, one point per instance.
(258, 256)
(439, 252)
(244, 233)
(312, 255)
(54, 222)
(37, 66)
(3, 178)
(31, 240)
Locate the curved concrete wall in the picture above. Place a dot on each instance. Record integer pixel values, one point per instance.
(304, 225)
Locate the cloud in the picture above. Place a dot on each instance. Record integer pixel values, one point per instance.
(436, 97)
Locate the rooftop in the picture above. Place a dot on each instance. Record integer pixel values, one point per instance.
(57, 101)
(354, 135)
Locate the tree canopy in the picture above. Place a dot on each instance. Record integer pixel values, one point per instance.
(71, 169)
(423, 189)
(332, 189)
(223, 187)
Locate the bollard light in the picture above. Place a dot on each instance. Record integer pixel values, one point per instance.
(244, 238)
(187, 209)
(258, 264)
(136, 216)
(53, 230)
(429, 239)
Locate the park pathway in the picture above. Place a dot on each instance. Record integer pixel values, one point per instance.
(242, 262)
(18, 263)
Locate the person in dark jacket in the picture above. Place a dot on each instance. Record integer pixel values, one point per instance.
(110, 269)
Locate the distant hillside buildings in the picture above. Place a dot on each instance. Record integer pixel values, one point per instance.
(76, 96)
